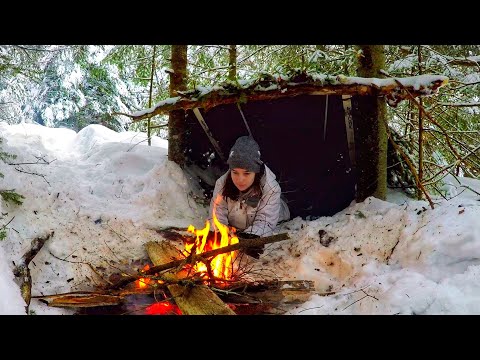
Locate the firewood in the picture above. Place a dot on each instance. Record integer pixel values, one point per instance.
(114, 295)
(82, 299)
(256, 309)
(22, 271)
(263, 297)
(200, 257)
(273, 292)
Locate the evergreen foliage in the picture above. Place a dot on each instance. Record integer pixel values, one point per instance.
(12, 196)
(9, 195)
(4, 157)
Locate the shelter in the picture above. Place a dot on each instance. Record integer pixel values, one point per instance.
(308, 126)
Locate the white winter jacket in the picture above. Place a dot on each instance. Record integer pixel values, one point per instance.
(260, 220)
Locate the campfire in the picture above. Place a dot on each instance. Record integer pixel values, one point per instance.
(221, 266)
(219, 269)
(203, 277)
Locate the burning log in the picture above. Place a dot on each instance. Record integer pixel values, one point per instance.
(23, 272)
(195, 300)
(201, 257)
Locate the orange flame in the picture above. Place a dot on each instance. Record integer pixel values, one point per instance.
(144, 282)
(222, 264)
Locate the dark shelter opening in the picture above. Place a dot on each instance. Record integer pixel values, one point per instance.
(303, 139)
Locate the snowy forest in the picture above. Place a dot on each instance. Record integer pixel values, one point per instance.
(433, 143)
(74, 86)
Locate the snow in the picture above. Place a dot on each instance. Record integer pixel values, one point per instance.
(169, 101)
(104, 194)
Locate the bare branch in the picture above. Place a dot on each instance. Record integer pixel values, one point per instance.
(459, 104)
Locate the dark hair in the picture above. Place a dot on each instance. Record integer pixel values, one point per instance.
(232, 192)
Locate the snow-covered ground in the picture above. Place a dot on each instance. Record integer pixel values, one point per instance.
(104, 194)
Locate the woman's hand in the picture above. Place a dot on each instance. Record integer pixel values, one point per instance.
(254, 252)
(242, 235)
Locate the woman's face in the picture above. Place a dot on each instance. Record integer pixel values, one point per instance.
(242, 178)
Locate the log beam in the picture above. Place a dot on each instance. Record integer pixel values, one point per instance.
(276, 89)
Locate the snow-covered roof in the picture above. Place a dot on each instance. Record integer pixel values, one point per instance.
(271, 86)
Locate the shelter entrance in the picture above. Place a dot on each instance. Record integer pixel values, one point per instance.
(303, 139)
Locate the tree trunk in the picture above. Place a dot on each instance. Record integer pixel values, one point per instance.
(232, 62)
(420, 131)
(176, 121)
(370, 133)
(152, 72)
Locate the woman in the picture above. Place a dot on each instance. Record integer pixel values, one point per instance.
(247, 196)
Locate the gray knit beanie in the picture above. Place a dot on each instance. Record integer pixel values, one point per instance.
(245, 154)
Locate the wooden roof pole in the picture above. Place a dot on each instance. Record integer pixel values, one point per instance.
(326, 117)
(244, 120)
(204, 125)
(347, 108)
